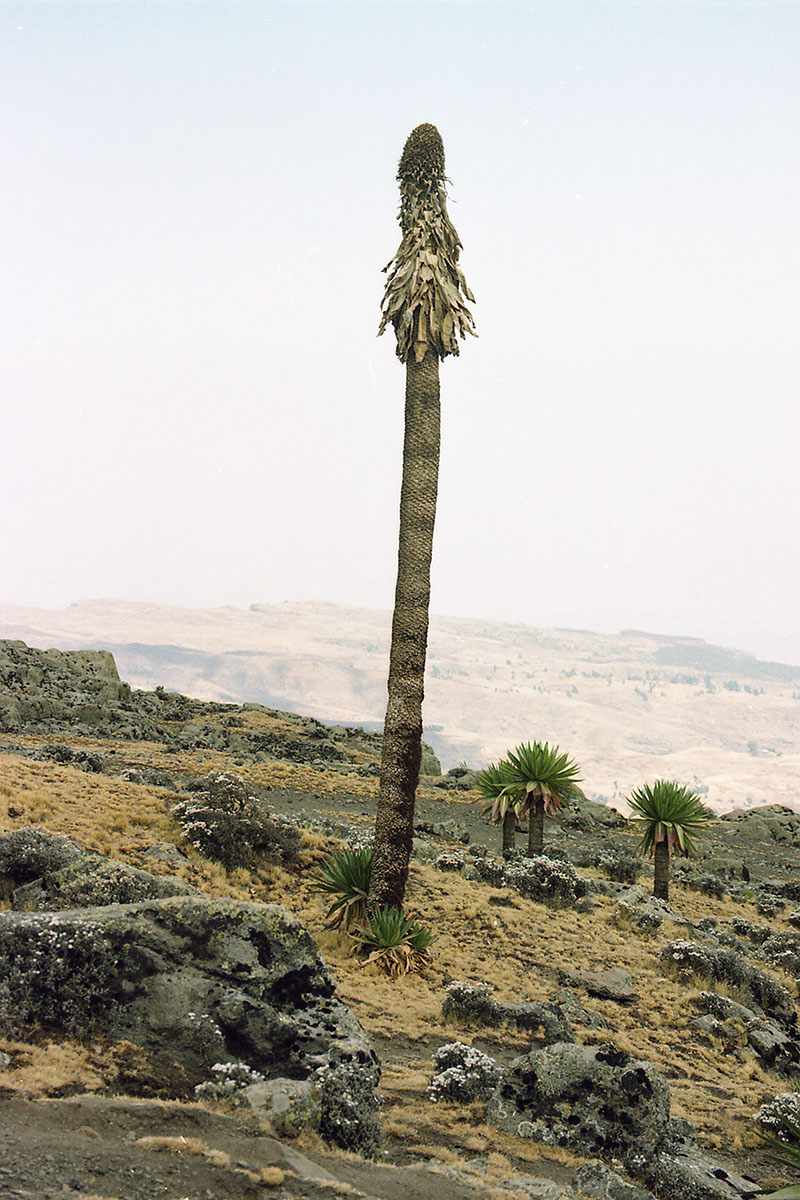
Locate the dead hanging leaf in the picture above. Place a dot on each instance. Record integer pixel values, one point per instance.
(425, 293)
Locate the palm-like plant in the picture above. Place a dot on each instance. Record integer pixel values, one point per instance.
(669, 816)
(425, 303)
(345, 877)
(396, 942)
(543, 779)
(496, 786)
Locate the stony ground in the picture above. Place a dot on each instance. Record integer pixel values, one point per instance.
(67, 1129)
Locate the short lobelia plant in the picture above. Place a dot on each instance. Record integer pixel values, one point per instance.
(345, 876)
(393, 941)
(669, 816)
(779, 1128)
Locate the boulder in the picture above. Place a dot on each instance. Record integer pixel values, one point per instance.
(611, 984)
(595, 1100)
(43, 871)
(769, 1040)
(193, 982)
(686, 1173)
(473, 1003)
(645, 911)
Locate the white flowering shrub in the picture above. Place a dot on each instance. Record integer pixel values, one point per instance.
(53, 973)
(546, 880)
(471, 1002)
(771, 1116)
(463, 1074)
(224, 822)
(229, 1082)
(348, 1103)
(449, 861)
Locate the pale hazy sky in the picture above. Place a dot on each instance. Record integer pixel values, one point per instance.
(196, 203)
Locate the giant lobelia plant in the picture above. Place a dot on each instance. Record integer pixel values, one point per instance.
(669, 816)
(424, 302)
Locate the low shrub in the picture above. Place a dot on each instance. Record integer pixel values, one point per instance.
(463, 1074)
(543, 879)
(224, 822)
(53, 974)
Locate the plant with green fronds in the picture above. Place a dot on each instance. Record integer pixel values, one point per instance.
(785, 1141)
(669, 816)
(543, 779)
(425, 303)
(496, 786)
(345, 875)
(396, 942)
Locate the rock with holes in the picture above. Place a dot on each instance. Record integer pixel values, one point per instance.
(594, 1099)
(191, 983)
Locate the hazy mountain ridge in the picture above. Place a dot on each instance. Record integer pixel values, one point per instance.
(629, 706)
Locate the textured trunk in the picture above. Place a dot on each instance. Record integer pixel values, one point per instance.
(402, 734)
(536, 826)
(509, 832)
(661, 870)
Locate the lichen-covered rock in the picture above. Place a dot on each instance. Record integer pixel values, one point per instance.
(95, 880)
(768, 1039)
(612, 984)
(645, 911)
(43, 871)
(192, 982)
(474, 1004)
(687, 1173)
(597, 1100)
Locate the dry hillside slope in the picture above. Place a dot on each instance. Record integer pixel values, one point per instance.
(629, 707)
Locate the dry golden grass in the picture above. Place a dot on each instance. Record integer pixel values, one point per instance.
(518, 947)
(189, 1146)
(48, 1067)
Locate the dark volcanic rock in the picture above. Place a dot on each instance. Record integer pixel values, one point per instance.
(597, 1100)
(44, 871)
(193, 982)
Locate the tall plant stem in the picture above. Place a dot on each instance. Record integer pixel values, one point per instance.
(402, 734)
(661, 870)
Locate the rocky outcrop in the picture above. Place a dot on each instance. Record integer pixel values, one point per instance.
(193, 982)
(43, 871)
(474, 1004)
(775, 822)
(596, 1100)
(773, 1044)
(49, 690)
(725, 966)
